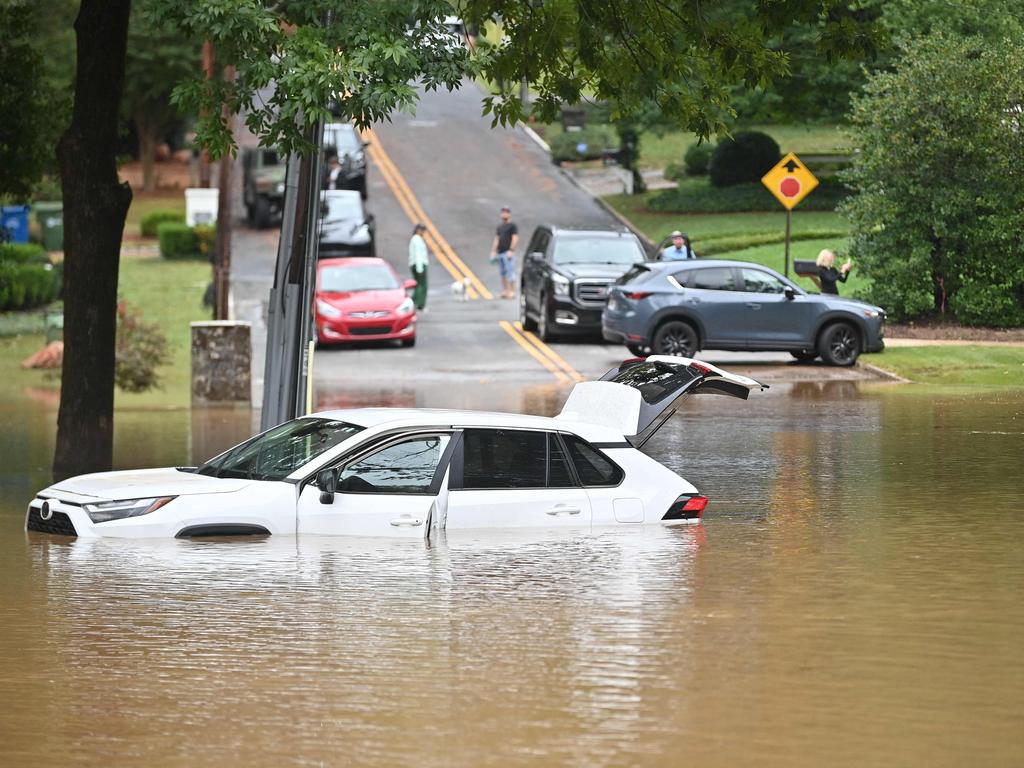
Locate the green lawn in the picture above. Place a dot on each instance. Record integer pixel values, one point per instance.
(659, 151)
(144, 203)
(955, 365)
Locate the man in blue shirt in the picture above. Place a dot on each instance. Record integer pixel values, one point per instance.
(680, 248)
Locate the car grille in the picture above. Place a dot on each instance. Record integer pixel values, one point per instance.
(370, 330)
(592, 292)
(60, 523)
(370, 313)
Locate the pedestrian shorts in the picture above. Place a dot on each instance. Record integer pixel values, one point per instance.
(507, 265)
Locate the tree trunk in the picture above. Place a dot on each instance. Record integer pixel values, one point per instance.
(95, 206)
(148, 139)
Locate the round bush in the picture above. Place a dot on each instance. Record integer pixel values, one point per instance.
(177, 241)
(152, 220)
(747, 156)
(697, 158)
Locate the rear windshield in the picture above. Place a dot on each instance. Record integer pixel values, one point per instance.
(636, 274)
(337, 207)
(277, 453)
(597, 250)
(656, 381)
(364, 277)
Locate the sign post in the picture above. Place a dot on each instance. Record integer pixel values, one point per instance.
(790, 182)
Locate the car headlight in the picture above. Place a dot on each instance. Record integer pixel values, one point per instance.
(872, 313)
(326, 309)
(119, 510)
(405, 307)
(560, 285)
(280, 188)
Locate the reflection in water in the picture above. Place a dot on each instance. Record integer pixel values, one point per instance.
(852, 599)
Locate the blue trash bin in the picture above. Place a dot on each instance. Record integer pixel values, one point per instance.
(15, 223)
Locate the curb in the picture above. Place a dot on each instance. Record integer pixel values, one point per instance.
(884, 374)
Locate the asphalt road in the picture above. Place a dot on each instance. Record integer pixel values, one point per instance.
(447, 167)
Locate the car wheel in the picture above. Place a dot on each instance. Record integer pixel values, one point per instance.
(261, 212)
(409, 342)
(675, 338)
(638, 349)
(524, 318)
(804, 355)
(839, 344)
(544, 331)
(250, 215)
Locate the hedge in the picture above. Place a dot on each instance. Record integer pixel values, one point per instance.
(152, 220)
(721, 245)
(598, 138)
(24, 253)
(177, 241)
(25, 286)
(743, 158)
(743, 198)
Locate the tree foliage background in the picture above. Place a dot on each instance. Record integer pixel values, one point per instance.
(938, 221)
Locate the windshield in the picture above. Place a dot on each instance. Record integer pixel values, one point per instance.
(365, 277)
(597, 250)
(343, 138)
(342, 206)
(277, 453)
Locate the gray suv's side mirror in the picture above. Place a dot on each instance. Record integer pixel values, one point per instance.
(790, 293)
(327, 482)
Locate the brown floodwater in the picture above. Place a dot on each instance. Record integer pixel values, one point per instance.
(854, 597)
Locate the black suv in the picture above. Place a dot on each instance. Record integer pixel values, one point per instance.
(566, 277)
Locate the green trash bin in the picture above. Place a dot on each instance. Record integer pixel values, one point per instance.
(51, 219)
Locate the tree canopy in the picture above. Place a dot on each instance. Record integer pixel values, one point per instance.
(938, 218)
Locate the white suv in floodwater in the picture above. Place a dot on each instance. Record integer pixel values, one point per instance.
(407, 472)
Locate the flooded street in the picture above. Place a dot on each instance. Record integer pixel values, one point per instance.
(853, 598)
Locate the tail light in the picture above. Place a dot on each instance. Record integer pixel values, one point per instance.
(637, 295)
(689, 506)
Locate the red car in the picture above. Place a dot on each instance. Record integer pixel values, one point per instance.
(362, 299)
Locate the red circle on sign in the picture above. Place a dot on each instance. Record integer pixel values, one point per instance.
(789, 187)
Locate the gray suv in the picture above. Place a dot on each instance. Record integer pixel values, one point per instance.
(680, 307)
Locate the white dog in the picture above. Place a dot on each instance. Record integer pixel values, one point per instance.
(460, 289)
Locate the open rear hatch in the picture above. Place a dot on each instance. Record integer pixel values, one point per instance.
(640, 395)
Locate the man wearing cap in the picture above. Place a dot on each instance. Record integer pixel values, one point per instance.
(680, 248)
(503, 248)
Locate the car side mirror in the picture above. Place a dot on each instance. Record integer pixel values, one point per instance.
(536, 256)
(327, 482)
(790, 293)
(410, 284)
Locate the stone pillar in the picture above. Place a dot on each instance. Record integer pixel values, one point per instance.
(221, 363)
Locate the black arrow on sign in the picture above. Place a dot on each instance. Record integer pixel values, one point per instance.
(791, 166)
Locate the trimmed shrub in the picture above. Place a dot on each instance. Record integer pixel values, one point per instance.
(747, 156)
(743, 198)
(25, 286)
(177, 241)
(597, 139)
(141, 348)
(698, 158)
(206, 239)
(151, 221)
(24, 253)
(742, 242)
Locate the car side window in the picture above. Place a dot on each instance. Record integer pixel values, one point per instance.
(404, 467)
(756, 281)
(682, 278)
(714, 279)
(592, 466)
(541, 246)
(511, 459)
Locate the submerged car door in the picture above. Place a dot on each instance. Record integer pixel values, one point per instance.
(636, 398)
(511, 478)
(388, 490)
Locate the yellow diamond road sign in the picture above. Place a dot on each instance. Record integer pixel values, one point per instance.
(789, 181)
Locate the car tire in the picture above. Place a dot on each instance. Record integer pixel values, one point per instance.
(409, 342)
(261, 212)
(250, 215)
(362, 187)
(676, 337)
(839, 344)
(528, 323)
(544, 331)
(804, 355)
(638, 349)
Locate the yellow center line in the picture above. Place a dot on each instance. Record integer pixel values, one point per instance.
(549, 353)
(389, 180)
(532, 352)
(383, 159)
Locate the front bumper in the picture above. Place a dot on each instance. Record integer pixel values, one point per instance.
(345, 329)
(569, 317)
(69, 518)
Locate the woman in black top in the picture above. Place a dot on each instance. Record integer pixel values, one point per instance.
(828, 275)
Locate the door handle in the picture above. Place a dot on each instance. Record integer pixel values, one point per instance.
(753, 306)
(408, 522)
(563, 510)
(693, 300)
